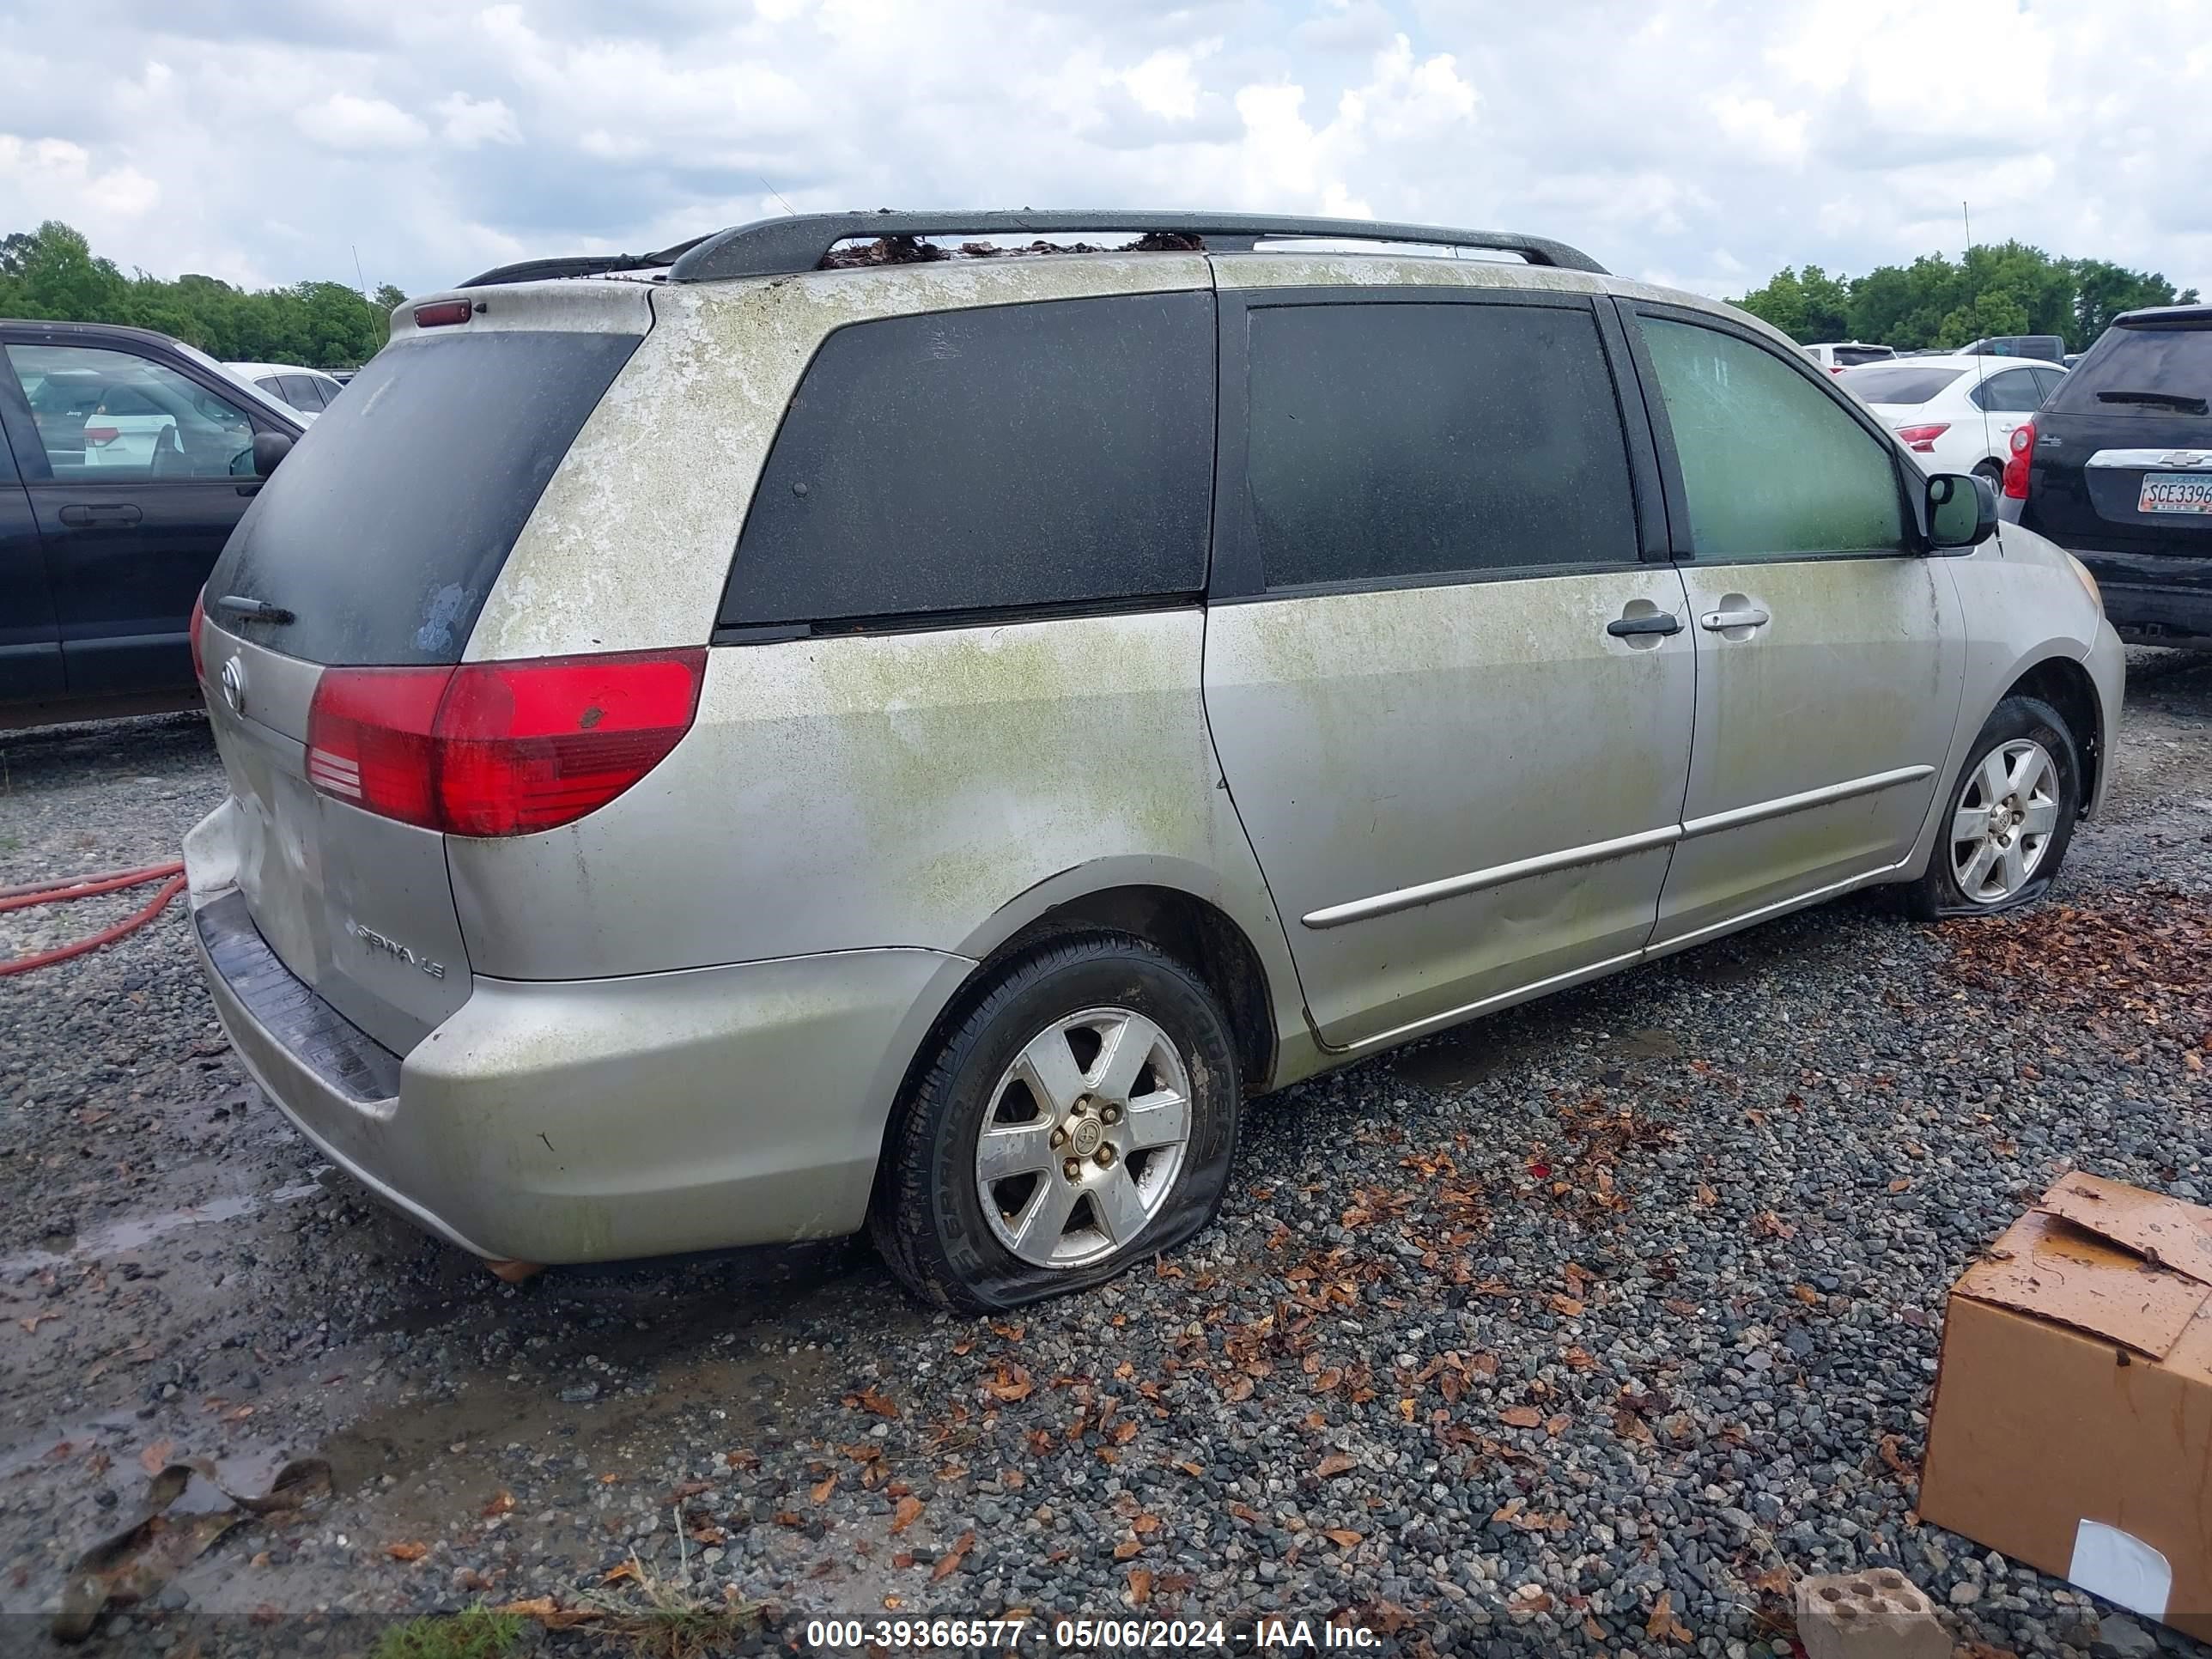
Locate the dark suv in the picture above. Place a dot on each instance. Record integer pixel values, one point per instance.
(126, 458)
(2118, 468)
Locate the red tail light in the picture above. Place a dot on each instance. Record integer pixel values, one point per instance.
(2017, 463)
(99, 437)
(192, 633)
(499, 748)
(1923, 438)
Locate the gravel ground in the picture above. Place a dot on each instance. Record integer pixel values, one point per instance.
(1578, 1330)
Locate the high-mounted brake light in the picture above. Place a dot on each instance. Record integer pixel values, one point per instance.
(499, 748)
(1923, 438)
(2017, 463)
(192, 633)
(439, 313)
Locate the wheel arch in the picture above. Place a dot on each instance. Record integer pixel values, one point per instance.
(1168, 903)
(2065, 683)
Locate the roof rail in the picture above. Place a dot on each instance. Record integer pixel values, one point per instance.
(579, 264)
(779, 247)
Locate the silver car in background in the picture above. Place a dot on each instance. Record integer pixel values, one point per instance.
(785, 739)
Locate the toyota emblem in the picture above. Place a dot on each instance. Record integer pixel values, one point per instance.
(234, 685)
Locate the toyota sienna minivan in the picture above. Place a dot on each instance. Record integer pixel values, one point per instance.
(848, 723)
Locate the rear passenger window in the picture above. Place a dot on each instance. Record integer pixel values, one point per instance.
(1774, 468)
(1393, 440)
(1017, 456)
(2013, 392)
(302, 394)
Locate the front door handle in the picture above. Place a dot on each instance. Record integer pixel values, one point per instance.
(1655, 622)
(1719, 622)
(100, 512)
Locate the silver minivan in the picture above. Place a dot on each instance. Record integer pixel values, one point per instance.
(825, 728)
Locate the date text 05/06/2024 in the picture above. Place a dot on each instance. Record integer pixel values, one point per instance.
(1247, 1636)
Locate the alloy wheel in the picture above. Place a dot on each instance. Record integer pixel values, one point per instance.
(2003, 821)
(1083, 1138)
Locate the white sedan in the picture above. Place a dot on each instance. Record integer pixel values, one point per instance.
(1955, 414)
(305, 390)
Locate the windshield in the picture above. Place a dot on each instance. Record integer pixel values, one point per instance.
(1893, 383)
(2166, 368)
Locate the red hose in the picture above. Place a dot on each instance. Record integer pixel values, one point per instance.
(54, 891)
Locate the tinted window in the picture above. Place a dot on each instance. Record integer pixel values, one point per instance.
(2012, 392)
(302, 391)
(1391, 440)
(1892, 383)
(2046, 381)
(1013, 456)
(115, 416)
(1773, 466)
(1851, 356)
(2171, 362)
(384, 529)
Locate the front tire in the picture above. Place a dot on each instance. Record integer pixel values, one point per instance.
(1080, 1116)
(2009, 818)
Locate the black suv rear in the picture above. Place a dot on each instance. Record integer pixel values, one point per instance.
(2118, 468)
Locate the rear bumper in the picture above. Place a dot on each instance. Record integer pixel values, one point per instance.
(2150, 598)
(2157, 606)
(598, 1119)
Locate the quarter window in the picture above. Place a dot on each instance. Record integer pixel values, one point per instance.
(111, 416)
(1011, 457)
(1391, 440)
(1773, 466)
(2013, 392)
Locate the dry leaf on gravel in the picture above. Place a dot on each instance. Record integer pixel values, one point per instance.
(949, 1563)
(1012, 1383)
(1662, 1625)
(407, 1551)
(907, 1512)
(1522, 1417)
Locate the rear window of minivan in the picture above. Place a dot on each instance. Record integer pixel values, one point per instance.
(384, 530)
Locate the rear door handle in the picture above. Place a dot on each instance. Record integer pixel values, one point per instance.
(1720, 621)
(1657, 621)
(100, 512)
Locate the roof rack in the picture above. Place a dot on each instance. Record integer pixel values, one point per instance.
(579, 264)
(776, 247)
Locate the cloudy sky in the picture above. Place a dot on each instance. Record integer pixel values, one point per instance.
(1702, 142)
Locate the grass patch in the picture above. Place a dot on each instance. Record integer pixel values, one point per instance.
(661, 1621)
(479, 1633)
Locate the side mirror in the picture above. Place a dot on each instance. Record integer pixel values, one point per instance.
(1962, 510)
(269, 448)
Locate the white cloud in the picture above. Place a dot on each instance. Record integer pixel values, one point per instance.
(60, 174)
(468, 122)
(1755, 123)
(343, 121)
(1164, 85)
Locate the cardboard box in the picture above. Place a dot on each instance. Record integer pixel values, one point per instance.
(2073, 1421)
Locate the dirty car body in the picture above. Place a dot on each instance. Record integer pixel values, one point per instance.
(637, 847)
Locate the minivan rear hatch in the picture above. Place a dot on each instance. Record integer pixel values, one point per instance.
(373, 547)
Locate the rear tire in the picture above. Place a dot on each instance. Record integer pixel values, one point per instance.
(1994, 471)
(1080, 1117)
(2008, 817)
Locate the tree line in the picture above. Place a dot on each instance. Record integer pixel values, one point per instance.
(52, 273)
(2007, 287)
